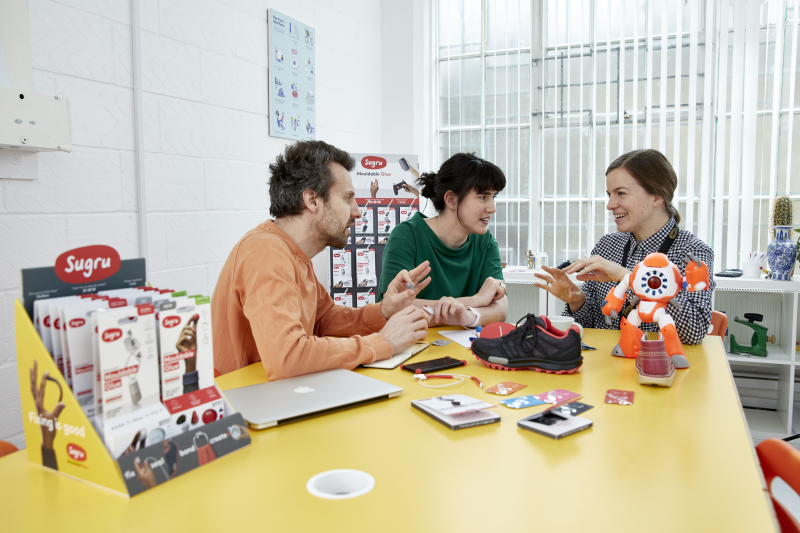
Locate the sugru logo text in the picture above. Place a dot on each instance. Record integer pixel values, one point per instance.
(87, 265)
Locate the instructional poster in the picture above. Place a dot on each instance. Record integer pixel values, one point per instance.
(406, 212)
(365, 298)
(365, 267)
(343, 298)
(386, 219)
(342, 276)
(292, 78)
(363, 225)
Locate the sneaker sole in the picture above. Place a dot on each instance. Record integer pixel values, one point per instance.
(658, 381)
(498, 366)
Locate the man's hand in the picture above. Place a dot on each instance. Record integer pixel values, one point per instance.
(491, 290)
(405, 328)
(373, 188)
(398, 296)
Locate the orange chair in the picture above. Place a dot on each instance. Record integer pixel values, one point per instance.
(719, 323)
(6, 448)
(780, 459)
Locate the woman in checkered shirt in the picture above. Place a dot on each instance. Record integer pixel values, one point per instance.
(640, 187)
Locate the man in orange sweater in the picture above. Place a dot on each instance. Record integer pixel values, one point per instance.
(268, 305)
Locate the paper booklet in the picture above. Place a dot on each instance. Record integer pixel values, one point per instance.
(468, 420)
(454, 404)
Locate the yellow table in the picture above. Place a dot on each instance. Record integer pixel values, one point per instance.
(678, 459)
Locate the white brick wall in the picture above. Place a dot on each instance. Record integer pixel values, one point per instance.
(204, 76)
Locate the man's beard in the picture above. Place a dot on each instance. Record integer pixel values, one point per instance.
(331, 231)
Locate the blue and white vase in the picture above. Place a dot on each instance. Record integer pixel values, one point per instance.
(781, 254)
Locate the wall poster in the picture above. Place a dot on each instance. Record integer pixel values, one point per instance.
(292, 78)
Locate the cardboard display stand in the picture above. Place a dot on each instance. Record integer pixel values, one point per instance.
(60, 436)
(355, 271)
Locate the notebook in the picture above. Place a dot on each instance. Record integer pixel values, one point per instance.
(399, 359)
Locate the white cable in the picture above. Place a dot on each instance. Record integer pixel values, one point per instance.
(423, 377)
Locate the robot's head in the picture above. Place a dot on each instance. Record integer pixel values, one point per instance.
(656, 279)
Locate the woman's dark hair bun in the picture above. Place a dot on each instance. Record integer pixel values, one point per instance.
(427, 181)
(462, 173)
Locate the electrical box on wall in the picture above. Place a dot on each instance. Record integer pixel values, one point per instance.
(34, 122)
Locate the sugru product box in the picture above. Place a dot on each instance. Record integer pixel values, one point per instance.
(186, 346)
(195, 409)
(554, 425)
(77, 327)
(137, 430)
(128, 359)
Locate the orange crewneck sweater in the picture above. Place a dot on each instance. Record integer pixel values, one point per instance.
(268, 306)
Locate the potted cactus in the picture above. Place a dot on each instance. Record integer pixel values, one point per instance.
(781, 252)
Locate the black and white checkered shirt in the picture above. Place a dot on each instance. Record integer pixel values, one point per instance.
(694, 316)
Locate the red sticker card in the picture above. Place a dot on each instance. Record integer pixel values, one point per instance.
(505, 388)
(557, 396)
(621, 397)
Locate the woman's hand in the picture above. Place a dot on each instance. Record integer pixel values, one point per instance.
(373, 188)
(450, 311)
(491, 291)
(597, 268)
(559, 285)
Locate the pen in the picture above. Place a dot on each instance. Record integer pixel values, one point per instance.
(477, 334)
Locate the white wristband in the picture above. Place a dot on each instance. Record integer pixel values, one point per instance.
(477, 318)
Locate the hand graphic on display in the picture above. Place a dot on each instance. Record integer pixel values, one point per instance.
(409, 188)
(137, 443)
(412, 190)
(171, 455)
(48, 418)
(243, 432)
(373, 188)
(144, 473)
(188, 341)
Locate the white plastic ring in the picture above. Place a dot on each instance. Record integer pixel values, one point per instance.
(340, 484)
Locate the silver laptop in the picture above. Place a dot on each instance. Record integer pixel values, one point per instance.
(288, 400)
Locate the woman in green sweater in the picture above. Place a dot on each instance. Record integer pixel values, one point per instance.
(467, 287)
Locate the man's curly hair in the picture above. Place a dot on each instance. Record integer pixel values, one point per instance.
(303, 165)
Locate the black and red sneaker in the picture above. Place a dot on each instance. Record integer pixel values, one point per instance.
(533, 345)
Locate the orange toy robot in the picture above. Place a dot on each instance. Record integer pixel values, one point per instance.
(655, 283)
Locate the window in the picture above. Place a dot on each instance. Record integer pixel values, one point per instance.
(598, 78)
(484, 105)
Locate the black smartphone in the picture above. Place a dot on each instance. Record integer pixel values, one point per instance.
(433, 365)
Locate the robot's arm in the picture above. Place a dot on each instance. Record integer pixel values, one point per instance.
(696, 274)
(615, 298)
